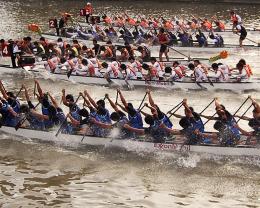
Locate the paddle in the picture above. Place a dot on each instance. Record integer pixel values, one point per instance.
(207, 106)
(175, 111)
(258, 44)
(142, 101)
(241, 106)
(189, 58)
(174, 107)
(65, 120)
(20, 123)
(244, 113)
(116, 96)
(69, 73)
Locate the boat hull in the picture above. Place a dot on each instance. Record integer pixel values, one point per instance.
(168, 85)
(130, 145)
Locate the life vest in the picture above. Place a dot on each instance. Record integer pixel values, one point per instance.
(108, 20)
(114, 70)
(180, 75)
(91, 70)
(132, 69)
(131, 21)
(138, 65)
(88, 9)
(221, 26)
(193, 26)
(207, 24)
(162, 37)
(75, 50)
(248, 69)
(234, 18)
(144, 24)
(153, 72)
(168, 25)
(47, 123)
(33, 27)
(109, 52)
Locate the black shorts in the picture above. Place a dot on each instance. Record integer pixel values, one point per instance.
(243, 36)
(163, 48)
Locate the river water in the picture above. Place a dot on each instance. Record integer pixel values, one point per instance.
(36, 174)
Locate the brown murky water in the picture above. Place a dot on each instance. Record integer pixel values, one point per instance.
(36, 174)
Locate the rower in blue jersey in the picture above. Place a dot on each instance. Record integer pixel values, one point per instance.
(160, 115)
(253, 136)
(12, 101)
(68, 100)
(44, 100)
(53, 117)
(134, 116)
(99, 112)
(225, 117)
(125, 131)
(225, 135)
(9, 116)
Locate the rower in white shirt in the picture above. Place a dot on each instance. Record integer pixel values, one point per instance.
(129, 71)
(199, 73)
(158, 67)
(221, 72)
(172, 74)
(112, 70)
(137, 66)
(244, 73)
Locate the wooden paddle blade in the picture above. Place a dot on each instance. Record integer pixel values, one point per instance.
(69, 73)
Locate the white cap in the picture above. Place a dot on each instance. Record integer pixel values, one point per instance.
(88, 3)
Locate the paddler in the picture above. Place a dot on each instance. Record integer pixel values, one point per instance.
(134, 116)
(253, 136)
(121, 123)
(89, 11)
(99, 113)
(10, 98)
(243, 33)
(225, 135)
(163, 40)
(112, 70)
(221, 72)
(235, 18)
(145, 53)
(160, 115)
(159, 67)
(8, 116)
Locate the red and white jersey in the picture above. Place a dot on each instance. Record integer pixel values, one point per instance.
(159, 68)
(113, 70)
(137, 66)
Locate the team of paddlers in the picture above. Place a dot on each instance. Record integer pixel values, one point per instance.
(95, 119)
(78, 59)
